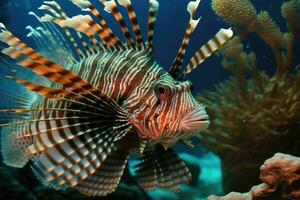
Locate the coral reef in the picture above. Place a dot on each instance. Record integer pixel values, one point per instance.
(245, 18)
(281, 177)
(253, 114)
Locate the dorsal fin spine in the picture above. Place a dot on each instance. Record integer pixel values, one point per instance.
(112, 7)
(223, 36)
(153, 9)
(177, 63)
(88, 6)
(133, 19)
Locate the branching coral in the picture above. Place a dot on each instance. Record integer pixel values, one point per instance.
(291, 12)
(280, 176)
(254, 115)
(244, 17)
(240, 13)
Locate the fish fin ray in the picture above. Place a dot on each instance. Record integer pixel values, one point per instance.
(108, 36)
(107, 177)
(177, 63)
(208, 49)
(77, 162)
(112, 7)
(162, 169)
(134, 22)
(152, 13)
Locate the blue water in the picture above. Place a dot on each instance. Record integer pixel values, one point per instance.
(170, 26)
(171, 23)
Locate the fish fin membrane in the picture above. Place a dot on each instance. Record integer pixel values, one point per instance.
(54, 43)
(107, 177)
(14, 96)
(162, 169)
(68, 156)
(12, 148)
(208, 49)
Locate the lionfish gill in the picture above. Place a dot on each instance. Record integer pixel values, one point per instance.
(106, 98)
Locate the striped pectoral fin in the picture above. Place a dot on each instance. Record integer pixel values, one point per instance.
(162, 169)
(12, 148)
(223, 36)
(67, 164)
(48, 92)
(146, 173)
(69, 155)
(39, 64)
(107, 177)
(56, 73)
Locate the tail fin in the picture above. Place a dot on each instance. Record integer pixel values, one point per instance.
(162, 169)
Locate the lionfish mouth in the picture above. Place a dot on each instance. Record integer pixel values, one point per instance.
(195, 121)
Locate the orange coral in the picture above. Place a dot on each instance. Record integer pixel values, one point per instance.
(280, 176)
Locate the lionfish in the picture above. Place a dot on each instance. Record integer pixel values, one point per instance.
(101, 99)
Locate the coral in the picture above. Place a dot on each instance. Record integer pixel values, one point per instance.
(242, 14)
(253, 114)
(280, 176)
(291, 12)
(271, 34)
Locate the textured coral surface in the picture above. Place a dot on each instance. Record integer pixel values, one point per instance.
(254, 114)
(281, 181)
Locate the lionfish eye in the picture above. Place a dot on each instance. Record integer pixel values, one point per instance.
(161, 90)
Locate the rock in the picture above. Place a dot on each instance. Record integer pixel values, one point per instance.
(281, 181)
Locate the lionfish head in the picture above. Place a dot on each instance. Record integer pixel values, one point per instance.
(175, 113)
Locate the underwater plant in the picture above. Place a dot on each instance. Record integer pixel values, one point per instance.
(103, 98)
(253, 114)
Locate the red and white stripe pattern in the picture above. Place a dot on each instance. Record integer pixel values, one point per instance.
(107, 177)
(177, 63)
(162, 169)
(109, 91)
(223, 36)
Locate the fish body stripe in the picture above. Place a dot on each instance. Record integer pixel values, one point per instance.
(117, 72)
